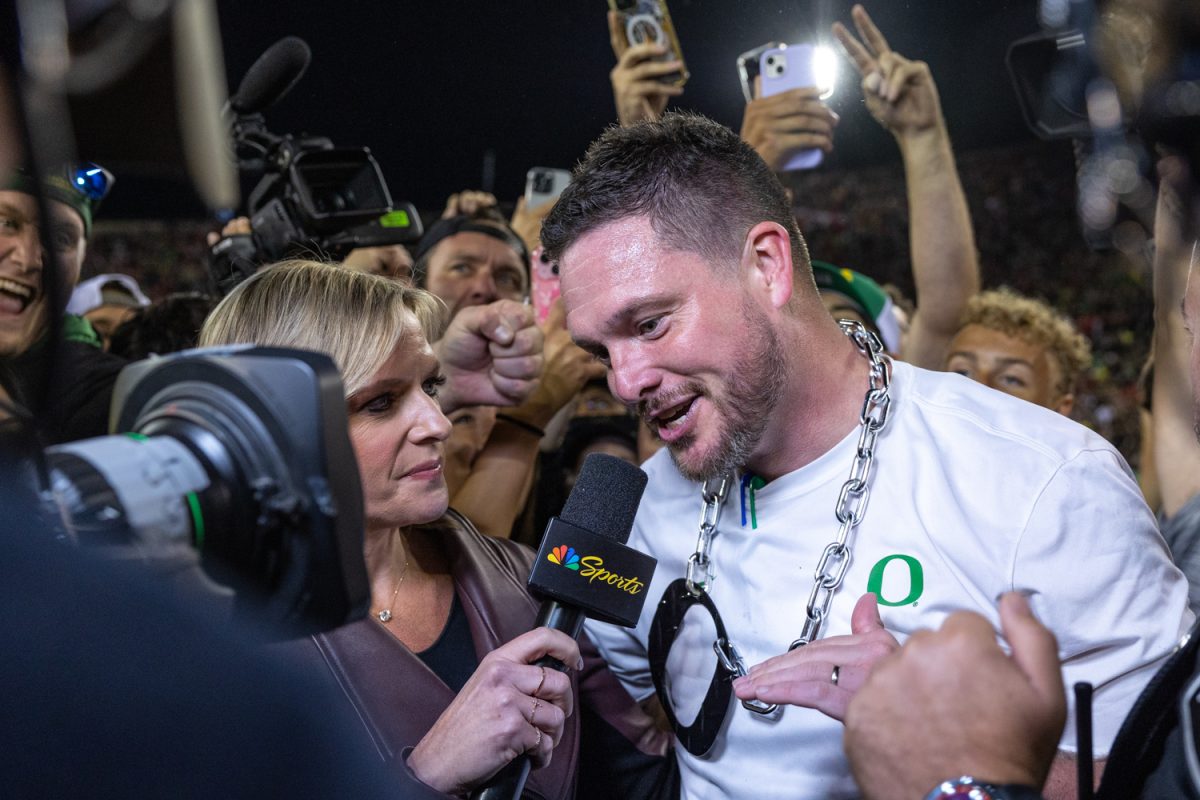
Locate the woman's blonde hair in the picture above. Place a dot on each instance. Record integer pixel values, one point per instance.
(354, 317)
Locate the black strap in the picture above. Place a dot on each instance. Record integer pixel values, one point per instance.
(699, 737)
(1145, 749)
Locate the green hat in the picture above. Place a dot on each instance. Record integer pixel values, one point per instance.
(81, 187)
(867, 296)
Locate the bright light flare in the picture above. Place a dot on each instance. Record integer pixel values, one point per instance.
(826, 65)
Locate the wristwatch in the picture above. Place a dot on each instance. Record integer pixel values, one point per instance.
(968, 788)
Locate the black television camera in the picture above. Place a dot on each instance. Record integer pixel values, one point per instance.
(234, 459)
(312, 196)
(1076, 80)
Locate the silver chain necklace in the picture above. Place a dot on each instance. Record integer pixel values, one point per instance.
(850, 509)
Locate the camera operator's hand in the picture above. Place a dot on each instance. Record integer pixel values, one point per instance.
(779, 125)
(527, 222)
(232, 255)
(468, 202)
(637, 92)
(899, 93)
(238, 226)
(508, 708)
(491, 355)
(979, 711)
(567, 369)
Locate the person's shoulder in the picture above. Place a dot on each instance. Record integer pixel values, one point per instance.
(957, 406)
(511, 557)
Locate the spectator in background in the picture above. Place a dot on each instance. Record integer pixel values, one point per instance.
(602, 429)
(851, 295)
(1020, 346)
(168, 326)
(903, 98)
(106, 301)
(76, 407)
(596, 400)
(1175, 454)
(471, 260)
(614, 436)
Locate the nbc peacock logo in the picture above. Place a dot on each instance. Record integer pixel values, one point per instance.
(565, 556)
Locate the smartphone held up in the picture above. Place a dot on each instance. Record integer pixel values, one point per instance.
(544, 185)
(649, 22)
(785, 67)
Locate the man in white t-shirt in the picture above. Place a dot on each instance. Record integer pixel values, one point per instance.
(684, 272)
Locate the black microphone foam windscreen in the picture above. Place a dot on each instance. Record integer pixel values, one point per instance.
(272, 75)
(606, 496)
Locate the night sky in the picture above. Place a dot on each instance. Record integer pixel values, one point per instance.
(432, 87)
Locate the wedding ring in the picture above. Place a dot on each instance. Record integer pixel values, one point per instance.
(540, 683)
(536, 702)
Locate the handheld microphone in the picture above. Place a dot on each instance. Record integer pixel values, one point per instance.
(272, 76)
(584, 569)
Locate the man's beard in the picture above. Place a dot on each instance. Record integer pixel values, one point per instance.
(752, 392)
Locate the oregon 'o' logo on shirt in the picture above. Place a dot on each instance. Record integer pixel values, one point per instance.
(897, 580)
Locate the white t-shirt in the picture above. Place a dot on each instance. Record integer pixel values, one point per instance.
(974, 493)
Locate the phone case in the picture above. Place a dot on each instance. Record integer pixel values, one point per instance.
(785, 68)
(544, 185)
(649, 21)
(543, 286)
(748, 67)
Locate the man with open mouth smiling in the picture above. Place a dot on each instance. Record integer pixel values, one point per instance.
(76, 405)
(684, 272)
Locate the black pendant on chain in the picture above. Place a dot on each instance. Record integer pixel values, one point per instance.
(699, 737)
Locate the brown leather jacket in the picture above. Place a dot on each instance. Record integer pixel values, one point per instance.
(398, 698)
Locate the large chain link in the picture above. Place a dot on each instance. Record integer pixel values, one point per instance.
(699, 565)
(856, 491)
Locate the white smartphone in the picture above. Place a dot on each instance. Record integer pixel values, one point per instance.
(787, 67)
(544, 185)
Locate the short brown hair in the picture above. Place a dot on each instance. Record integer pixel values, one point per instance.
(700, 185)
(354, 317)
(1034, 322)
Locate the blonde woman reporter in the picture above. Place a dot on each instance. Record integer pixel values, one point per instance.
(441, 671)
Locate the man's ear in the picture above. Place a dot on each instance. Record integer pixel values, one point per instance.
(1064, 404)
(767, 258)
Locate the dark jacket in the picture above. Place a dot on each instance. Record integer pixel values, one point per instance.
(77, 398)
(398, 698)
(1149, 758)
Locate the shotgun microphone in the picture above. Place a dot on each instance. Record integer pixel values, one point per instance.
(272, 76)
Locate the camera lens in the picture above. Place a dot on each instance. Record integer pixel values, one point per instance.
(331, 201)
(770, 60)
